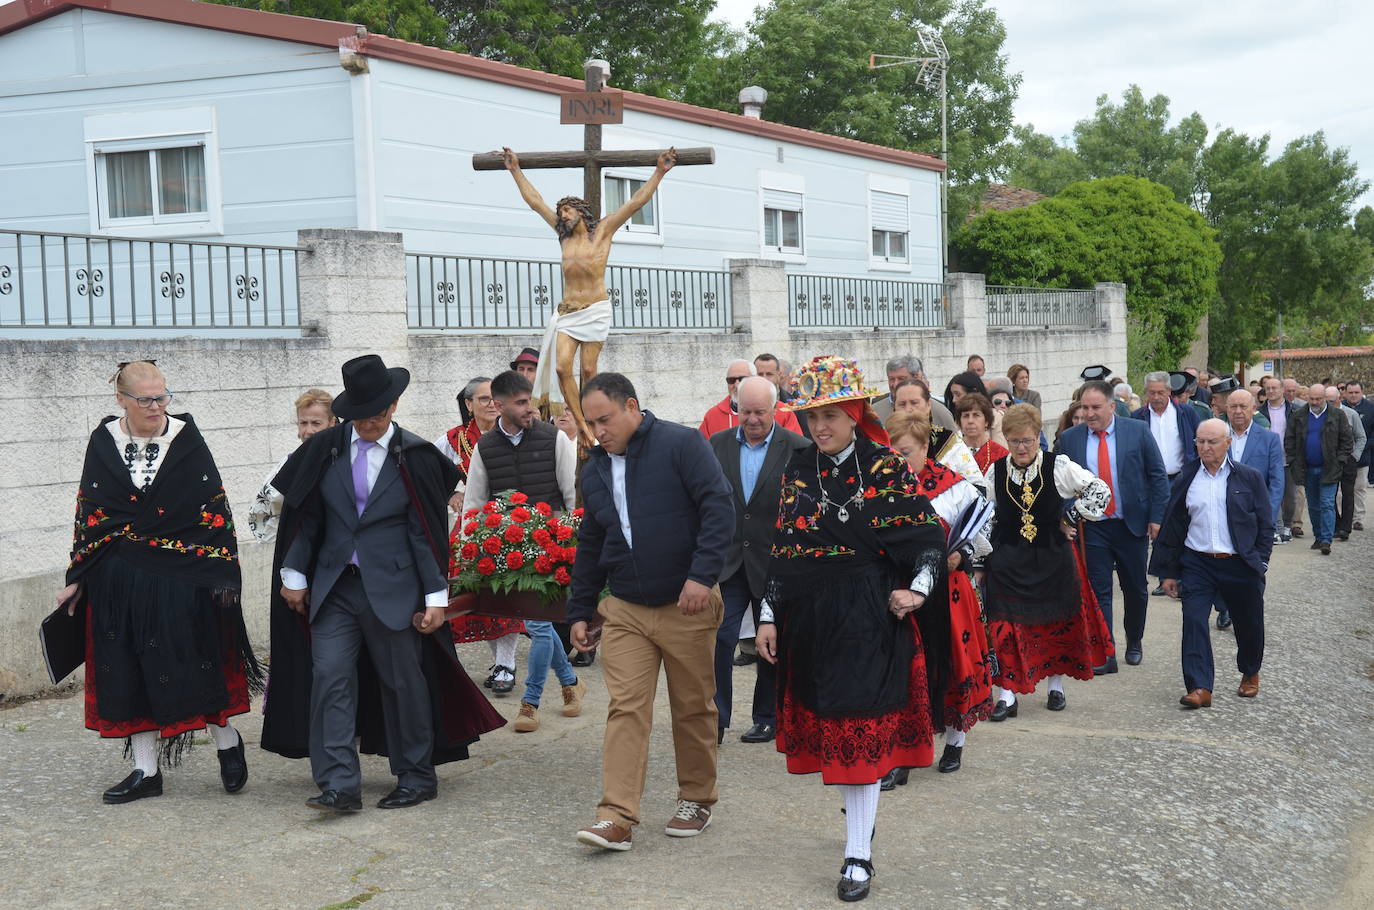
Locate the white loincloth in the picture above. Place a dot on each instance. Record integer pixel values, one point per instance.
(589, 324)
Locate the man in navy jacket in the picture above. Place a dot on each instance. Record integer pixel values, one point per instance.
(1217, 536)
(1124, 454)
(657, 525)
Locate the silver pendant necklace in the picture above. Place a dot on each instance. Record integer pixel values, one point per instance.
(856, 500)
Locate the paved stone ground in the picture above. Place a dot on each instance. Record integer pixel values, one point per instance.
(1122, 801)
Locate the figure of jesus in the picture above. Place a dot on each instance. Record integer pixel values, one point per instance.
(583, 318)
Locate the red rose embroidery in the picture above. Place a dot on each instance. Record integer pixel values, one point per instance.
(870, 492)
(219, 521)
(515, 560)
(801, 524)
(92, 521)
(486, 566)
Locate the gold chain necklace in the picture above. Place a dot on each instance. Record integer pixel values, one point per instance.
(1027, 499)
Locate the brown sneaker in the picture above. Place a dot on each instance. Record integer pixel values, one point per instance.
(607, 835)
(689, 820)
(572, 698)
(527, 721)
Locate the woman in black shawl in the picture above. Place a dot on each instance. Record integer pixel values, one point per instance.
(155, 567)
(860, 684)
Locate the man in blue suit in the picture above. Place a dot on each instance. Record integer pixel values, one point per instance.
(1124, 454)
(1172, 425)
(1217, 536)
(1253, 445)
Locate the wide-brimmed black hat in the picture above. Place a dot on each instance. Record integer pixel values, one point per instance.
(1223, 384)
(1097, 371)
(369, 386)
(528, 355)
(1180, 382)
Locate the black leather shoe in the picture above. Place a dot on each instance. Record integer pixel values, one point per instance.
(1057, 701)
(895, 778)
(1343, 535)
(1134, 653)
(1326, 548)
(1316, 545)
(584, 658)
(405, 797)
(334, 801)
(759, 733)
(743, 659)
(491, 677)
(1001, 711)
(233, 767)
(952, 759)
(135, 786)
(850, 890)
(1108, 667)
(720, 735)
(1157, 592)
(1224, 619)
(503, 682)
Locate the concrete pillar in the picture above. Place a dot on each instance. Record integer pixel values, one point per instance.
(1111, 309)
(967, 299)
(758, 295)
(353, 290)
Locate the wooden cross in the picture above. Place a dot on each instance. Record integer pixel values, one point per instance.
(577, 108)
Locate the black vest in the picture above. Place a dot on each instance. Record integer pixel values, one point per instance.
(1045, 514)
(529, 468)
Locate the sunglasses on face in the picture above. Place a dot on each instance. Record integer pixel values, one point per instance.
(1001, 401)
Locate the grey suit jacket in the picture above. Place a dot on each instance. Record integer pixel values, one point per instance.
(398, 567)
(756, 518)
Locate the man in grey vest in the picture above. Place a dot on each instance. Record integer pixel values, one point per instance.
(524, 454)
(753, 456)
(373, 580)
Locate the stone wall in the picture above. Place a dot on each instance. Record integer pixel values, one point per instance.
(352, 300)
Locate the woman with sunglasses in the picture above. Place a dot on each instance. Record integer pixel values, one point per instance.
(155, 567)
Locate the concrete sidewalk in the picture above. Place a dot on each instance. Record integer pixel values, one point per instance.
(1123, 800)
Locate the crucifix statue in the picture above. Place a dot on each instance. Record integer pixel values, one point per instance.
(583, 318)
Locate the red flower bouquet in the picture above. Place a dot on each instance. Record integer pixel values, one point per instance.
(514, 553)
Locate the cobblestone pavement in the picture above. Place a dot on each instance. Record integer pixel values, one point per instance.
(1123, 801)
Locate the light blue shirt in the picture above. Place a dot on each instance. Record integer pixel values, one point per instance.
(1090, 462)
(751, 460)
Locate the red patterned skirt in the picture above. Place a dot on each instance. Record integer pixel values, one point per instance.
(1029, 652)
(234, 680)
(859, 750)
(968, 698)
(470, 628)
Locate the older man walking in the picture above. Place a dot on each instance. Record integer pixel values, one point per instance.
(1215, 543)
(724, 414)
(752, 456)
(656, 528)
(900, 370)
(1350, 468)
(1318, 442)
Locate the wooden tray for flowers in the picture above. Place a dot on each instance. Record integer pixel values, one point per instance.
(511, 605)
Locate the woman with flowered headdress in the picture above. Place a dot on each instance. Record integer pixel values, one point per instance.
(155, 567)
(856, 551)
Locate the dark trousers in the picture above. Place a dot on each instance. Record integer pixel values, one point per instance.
(1345, 500)
(345, 622)
(1203, 581)
(1109, 545)
(1292, 484)
(735, 593)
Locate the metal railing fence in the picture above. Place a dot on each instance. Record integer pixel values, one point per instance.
(837, 301)
(1042, 308)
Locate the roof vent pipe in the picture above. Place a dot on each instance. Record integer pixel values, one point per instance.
(752, 99)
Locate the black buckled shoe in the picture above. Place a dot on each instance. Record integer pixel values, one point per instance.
(136, 786)
(952, 759)
(233, 767)
(334, 801)
(895, 778)
(405, 798)
(1057, 701)
(1001, 711)
(1108, 667)
(850, 890)
(503, 680)
(759, 733)
(1135, 653)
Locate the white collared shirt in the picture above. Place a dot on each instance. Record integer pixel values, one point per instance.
(1164, 428)
(1208, 529)
(622, 503)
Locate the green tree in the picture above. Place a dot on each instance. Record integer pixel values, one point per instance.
(1124, 229)
(1135, 138)
(1038, 162)
(812, 57)
(409, 20)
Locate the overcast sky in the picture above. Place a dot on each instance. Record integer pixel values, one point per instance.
(1282, 67)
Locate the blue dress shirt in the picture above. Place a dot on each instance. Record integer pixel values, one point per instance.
(1090, 456)
(751, 460)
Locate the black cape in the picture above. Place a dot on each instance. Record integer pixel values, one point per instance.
(461, 712)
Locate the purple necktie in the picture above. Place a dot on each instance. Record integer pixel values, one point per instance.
(360, 489)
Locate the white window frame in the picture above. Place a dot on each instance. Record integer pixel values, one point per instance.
(896, 186)
(636, 233)
(782, 182)
(149, 131)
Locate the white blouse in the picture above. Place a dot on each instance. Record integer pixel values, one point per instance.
(957, 456)
(143, 455)
(266, 508)
(1072, 482)
(950, 505)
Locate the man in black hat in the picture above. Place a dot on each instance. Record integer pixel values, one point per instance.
(1099, 373)
(1182, 388)
(364, 564)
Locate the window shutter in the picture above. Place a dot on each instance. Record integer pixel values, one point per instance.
(784, 201)
(889, 211)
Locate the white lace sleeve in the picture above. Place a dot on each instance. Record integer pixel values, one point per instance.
(1074, 482)
(266, 509)
(765, 611)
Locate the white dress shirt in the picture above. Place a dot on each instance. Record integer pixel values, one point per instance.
(1208, 529)
(295, 580)
(1164, 428)
(478, 489)
(622, 504)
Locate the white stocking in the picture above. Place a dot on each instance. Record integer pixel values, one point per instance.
(860, 814)
(1057, 683)
(1008, 697)
(144, 747)
(504, 649)
(954, 737)
(226, 737)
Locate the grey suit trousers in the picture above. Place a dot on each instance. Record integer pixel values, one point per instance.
(345, 621)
